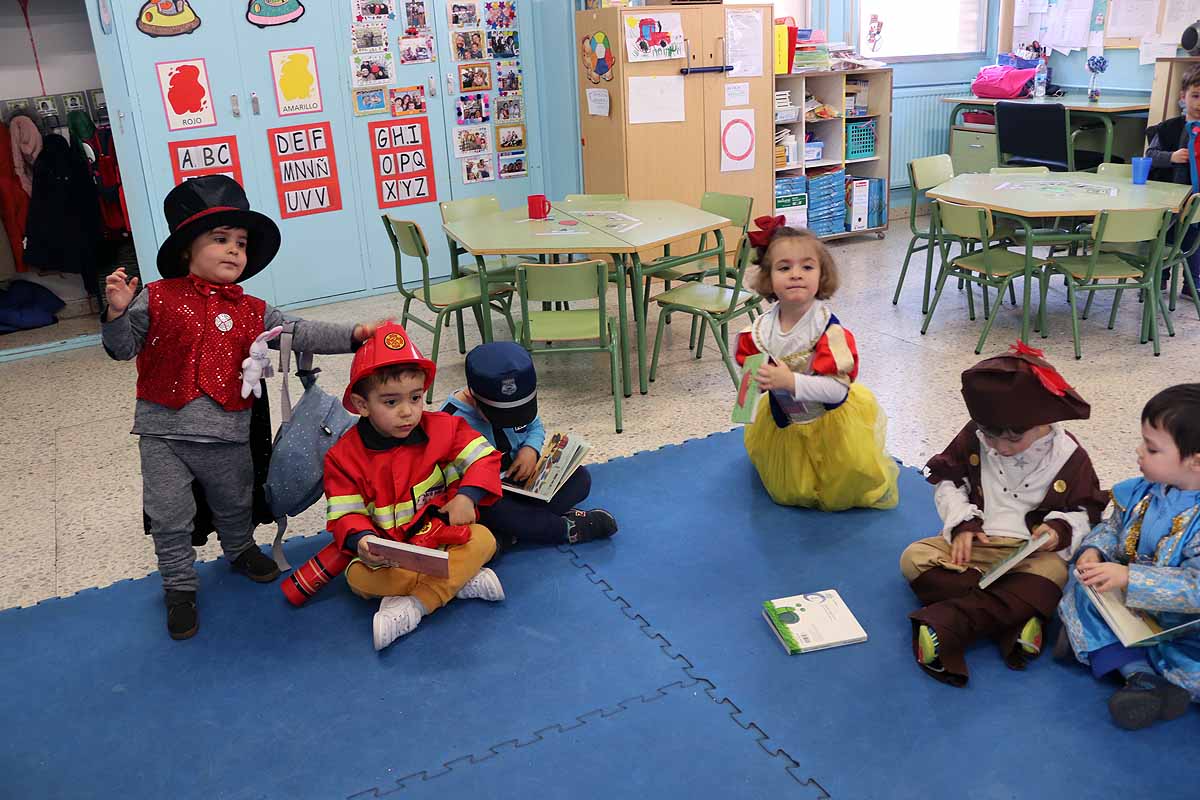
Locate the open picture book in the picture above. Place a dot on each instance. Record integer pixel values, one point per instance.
(814, 621)
(426, 560)
(1016, 558)
(561, 456)
(1133, 627)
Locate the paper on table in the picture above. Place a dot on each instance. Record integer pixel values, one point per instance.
(744, 35)
(737, 139)
(1154, 47)
(598, 102)
(737, 94)
(1131, 18)
(657, 98)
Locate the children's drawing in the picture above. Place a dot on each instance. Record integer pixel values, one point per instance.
(268, 13)
(501, 14)
(297, 89)
(657, 37)
(167, 18)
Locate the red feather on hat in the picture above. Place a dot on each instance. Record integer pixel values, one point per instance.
(1053, 382)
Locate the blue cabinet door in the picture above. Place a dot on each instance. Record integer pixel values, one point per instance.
(295, 78)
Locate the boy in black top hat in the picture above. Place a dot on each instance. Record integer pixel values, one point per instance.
(1011, 474)
(190, 332)
(500, 401)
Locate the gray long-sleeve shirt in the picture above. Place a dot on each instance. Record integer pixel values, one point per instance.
(204, 419)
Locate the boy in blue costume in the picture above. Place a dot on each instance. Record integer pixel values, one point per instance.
(1150, 547)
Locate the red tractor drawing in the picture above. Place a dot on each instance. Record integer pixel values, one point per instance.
(650, 34)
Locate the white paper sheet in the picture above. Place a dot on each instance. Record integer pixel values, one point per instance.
(598, 102)
(656, 98)
(737, 94)
(1096, 43)
(1156, 47)
(737, 139)
(1039, 6)
(1020, 13)
(744, 40)
(1177, 16)
(1132, 18)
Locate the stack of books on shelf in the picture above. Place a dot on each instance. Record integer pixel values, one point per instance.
(827, 202)
(784, 110)
(791, 200)
(856, 97)
(812, 52)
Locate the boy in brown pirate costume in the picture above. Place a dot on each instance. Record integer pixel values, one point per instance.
(1012, 473)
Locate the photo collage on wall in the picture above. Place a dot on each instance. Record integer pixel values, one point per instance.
(373, 64)
(486, 47)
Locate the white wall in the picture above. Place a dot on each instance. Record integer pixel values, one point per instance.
(64, 44)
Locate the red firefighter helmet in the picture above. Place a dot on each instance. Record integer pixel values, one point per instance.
(389, 345)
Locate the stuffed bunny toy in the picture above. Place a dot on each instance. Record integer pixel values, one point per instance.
(258, 365)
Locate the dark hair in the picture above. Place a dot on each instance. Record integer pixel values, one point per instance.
(1190, 78)
(392, 372)
(760, 280)
(1176, 410)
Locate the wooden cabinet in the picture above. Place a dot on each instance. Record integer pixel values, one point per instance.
(1164, 94)
(973, 149)
(670, 160)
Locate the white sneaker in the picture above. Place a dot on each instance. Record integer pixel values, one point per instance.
(396, 616)
(484, 586)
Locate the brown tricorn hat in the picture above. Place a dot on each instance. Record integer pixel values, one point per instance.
(1018, 390)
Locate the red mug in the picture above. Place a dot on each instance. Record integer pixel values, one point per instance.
(539, 206)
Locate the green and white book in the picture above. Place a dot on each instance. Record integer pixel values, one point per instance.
(1134, 627)
(1016, 558)
(814, 621)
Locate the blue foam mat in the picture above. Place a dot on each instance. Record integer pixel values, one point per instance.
(861, 720)
(271, 701)
(674, 742)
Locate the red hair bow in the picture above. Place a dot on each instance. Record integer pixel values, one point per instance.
(1053, 382)
(767, 226)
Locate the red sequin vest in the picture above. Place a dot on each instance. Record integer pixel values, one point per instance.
(196, 345)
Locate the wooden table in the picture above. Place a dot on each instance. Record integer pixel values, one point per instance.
(661, 222)
(1078, 105)
(1056, 194)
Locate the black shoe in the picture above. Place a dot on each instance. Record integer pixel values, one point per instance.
(255, 565)
(1146, 699)
(584, 526)
(183, 619)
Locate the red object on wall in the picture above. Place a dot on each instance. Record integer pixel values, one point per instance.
(306, 177)
(403, 162)
(14, 203)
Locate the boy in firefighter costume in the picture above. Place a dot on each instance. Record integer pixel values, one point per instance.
(190, 332)
(411, 475)
(1012, 473)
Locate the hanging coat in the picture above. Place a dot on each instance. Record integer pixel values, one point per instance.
(14, 202)
(63, 230)
(105, 171)
(26, 146)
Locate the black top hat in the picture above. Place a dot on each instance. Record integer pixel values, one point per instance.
(502, 380)
(208, 202)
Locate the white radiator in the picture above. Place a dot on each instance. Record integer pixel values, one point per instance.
(920, 125)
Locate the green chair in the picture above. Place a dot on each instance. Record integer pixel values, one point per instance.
(598, 198)
(1115, 170)
(1008, 231)
(923, 174)
(1085, 273)
(1018, 170)
(443, 298)
(715, 304)
(991, 266)
(1176, 258)
(570, 283)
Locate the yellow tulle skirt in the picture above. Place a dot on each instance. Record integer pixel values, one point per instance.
(835, 462)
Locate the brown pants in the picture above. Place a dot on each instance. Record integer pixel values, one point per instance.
(925, 554)
(465, 560)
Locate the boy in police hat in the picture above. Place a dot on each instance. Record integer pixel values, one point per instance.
(500, 401)
(411, 475)
(190, 332)
(1011, 474)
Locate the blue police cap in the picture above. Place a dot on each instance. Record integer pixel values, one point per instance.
(501, 377)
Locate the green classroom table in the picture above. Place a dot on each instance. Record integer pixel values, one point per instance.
(660, 222)
(1076, 104)
(1056, 194)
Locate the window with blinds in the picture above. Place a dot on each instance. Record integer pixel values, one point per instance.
(896, 30)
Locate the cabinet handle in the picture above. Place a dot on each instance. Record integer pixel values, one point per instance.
(450, 86)
(976, 146)
(721, 60)
(234, 107)
(254, 107)
(432, 86)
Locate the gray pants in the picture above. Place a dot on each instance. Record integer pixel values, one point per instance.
(224, 471)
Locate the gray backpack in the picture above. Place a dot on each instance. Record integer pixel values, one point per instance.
(306, 432)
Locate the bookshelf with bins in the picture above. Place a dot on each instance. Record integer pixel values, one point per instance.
(839, 187)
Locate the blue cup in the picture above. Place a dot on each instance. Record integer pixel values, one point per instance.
(1141, 170)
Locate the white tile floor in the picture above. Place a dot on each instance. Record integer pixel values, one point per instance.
(70, 478)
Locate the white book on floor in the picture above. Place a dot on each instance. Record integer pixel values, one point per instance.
(1020, 555)
(815, 621)
(1132, 627)
(426, 560)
